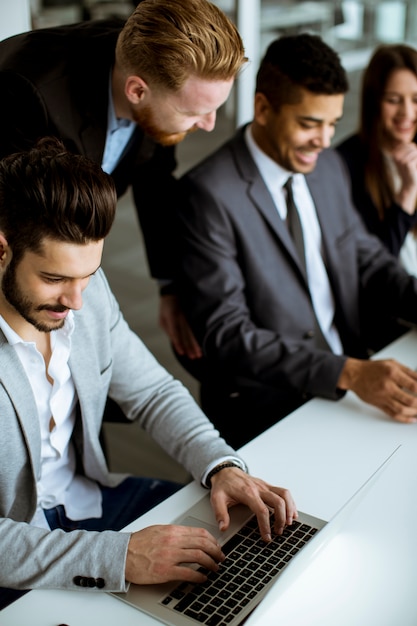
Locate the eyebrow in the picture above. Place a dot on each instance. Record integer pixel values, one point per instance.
(52, 275)
(316, 120)
(392, 92)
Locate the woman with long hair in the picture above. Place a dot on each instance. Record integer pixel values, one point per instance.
(382, 156)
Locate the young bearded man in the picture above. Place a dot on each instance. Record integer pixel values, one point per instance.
(64, 349)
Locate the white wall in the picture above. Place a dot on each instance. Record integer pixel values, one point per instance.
(248, 19)
(14, 17)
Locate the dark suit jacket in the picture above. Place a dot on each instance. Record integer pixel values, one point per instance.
(393, 229)
(245, 294)
(55, 81)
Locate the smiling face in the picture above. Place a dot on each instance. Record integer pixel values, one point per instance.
(295, 135)
(399, 109)
(167, 117)
(42, 287)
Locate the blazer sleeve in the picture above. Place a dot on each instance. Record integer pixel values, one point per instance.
(34, 558)
(148, 394)
(156, 196)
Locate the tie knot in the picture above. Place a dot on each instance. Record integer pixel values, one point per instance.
(288, 184)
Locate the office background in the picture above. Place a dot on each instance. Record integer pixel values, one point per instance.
(352, 27)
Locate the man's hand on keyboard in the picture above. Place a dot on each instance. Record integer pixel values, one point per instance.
(233, 486)
(159, 554)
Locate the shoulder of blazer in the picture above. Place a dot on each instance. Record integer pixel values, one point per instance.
(242, 157)
(329, 164)
(41, 53)
(232, 152)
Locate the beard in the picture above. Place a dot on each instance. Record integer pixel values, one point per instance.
(145, 119)
(24, 306)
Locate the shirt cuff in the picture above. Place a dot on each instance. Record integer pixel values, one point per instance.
(224, 459)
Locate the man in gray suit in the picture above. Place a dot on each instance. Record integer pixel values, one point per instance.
(64, 349)
(279, 325)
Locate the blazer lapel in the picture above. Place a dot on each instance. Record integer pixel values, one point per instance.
(324, 199)
(94, 122)
(14, 380)
(261, 198)
(91, 104)
(83, 367)
(86, 377)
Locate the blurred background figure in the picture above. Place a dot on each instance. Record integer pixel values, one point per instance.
(382, 155)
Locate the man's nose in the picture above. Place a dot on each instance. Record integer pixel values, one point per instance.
(72, 298)
(207, 122)
(324, 136)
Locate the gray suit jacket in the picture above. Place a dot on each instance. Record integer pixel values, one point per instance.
(107, 359)
(245, 293)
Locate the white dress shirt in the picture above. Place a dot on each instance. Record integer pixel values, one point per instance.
(274, 177)
(58, 483)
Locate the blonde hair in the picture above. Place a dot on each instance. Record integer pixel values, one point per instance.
(167, 41)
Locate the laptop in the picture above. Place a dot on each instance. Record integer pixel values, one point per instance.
(230, 597)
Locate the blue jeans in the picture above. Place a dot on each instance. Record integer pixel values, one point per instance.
(121, 506)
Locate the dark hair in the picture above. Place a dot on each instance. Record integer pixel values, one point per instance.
(299, 61)
(50, 192)
(384, 61)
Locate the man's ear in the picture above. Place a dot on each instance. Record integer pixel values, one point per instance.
(4, 248)
(135, 89)
(262, 108)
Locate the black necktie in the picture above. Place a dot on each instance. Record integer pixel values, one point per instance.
(296, 231)
(294, 223)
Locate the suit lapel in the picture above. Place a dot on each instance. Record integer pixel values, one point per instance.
(86, 377)
(324, 198)
(94, 119)
(83, 366)
(261, 198)
(15, 382)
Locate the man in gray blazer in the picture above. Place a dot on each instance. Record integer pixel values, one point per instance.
(64, 349)
(277, 325)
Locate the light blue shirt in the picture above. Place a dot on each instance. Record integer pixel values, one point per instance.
(119, 132)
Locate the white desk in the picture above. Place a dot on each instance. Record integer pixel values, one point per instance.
(322, 452)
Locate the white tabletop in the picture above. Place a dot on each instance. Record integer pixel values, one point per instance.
(323, 452)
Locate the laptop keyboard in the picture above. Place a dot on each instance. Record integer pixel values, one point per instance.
(250, 565)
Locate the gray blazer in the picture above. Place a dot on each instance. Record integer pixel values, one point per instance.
(107, 359)
(245, 293)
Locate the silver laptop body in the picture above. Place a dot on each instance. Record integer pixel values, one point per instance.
(250, 571)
